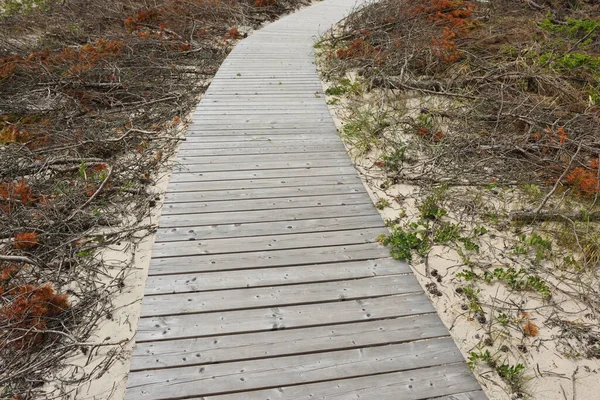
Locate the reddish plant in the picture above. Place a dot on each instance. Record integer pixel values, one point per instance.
(264, 3)
(8, 272)
(454, 15)
(27, 311)
(16, 192)
(446, 48)
(358, 48)
(68, 61)
(584, 180)
(233, 33)
(12, 134)
(143, 17)
(530, 329)
(26, 240)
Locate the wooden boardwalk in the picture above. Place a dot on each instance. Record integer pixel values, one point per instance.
(266, 281)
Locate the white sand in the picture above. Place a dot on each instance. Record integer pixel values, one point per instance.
(549, 374)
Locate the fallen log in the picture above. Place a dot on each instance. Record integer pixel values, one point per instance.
(530, 216)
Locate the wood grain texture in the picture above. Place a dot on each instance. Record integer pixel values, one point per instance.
(290, 370)
(267, 280)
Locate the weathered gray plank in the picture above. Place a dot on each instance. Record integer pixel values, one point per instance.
(266, 243)
(263, 149)
(262, 143)
(267, 228)
(265, 204)
(294, 138)
(182, 352)
(262, 174)
(279, 318)
(263, 259)
(277, 296)
(260, 183)
(472, 395)
(284, 214)
(248, 278)
(261, 165)
(264, 193)
(406, 385)
(290, 370)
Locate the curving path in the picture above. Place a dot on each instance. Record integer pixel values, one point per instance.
(266, 281)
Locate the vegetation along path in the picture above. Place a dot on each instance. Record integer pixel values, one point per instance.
(267, 281)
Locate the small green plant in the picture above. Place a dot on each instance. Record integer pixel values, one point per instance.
(572, 61)
(469, 244)
(11, 7)
(84, 253)
(502, 319)
(480, 356)
(402, 244)
(532, 191)
(430, 208)
(446, 233)
(336, 91)
(382, 203)
(425, 120)
(512, 375)
(518, 280)
(492, 217)
(393, 160)
(472, 295)
(467, 275)
(82, 170)
(509, 50)
(534, 243)
(576, 28)
(364, 130)
(479, 231)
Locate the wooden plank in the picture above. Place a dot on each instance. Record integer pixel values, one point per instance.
(264, 193)
(473, 395)
(262, 140)
(197, 282)
(183, 352)
(266, 243)
(240, 217)
(212, 106)
(318, 137)
(261, 165)
(226, 108)
(263, 144)
(249, 87)
(258, 143)
(263, 183)
(405, 385)
(265, 204)
(325, 147)
(257, 374)
(280, 318)
(277, 296)
(201, 132)
(262, 174)
(264, 259)
(259, 102)
(252, 159)
(267, 228)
